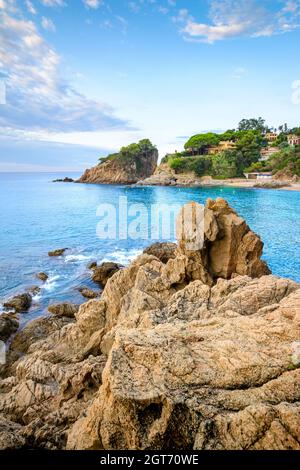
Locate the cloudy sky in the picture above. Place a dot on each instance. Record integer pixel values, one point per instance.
(80, 78)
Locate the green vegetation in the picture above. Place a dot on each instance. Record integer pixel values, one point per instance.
(236, 151)
(287, 159)
(201, 141)
(200, 166)
(131, 152)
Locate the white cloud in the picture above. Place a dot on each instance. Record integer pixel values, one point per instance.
(94, 4)
(53, 3)
(240, 72)
(238, 18)
(30, 7)
(48, 24)
(39, 97)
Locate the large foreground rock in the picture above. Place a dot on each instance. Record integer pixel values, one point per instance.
(188, 353)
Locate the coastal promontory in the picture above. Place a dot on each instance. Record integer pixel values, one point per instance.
(131, 164)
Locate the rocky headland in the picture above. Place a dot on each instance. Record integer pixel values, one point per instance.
(187, 348)
(131, 164)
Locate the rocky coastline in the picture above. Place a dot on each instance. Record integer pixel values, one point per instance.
(185, 349)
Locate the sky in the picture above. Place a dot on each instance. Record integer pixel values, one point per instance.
(81, 78)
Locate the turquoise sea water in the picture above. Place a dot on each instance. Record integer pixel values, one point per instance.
(38, 215)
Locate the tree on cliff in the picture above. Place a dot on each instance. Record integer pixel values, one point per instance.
(131, 151)
(253, 124)
(200, 142)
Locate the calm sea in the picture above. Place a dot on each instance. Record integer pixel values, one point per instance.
(38, 215)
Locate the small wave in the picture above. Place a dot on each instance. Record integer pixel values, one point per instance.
(76, 258)
(50, 284)
(122, 256)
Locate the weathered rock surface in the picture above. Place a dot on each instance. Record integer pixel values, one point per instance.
(8, 326)
(181, 354)
(162, 251)
(19, 303)
(88, 293)
(272, 184)
(65, 309)
(106, 270)
(42, 276)
(58, 252)
(122, 171)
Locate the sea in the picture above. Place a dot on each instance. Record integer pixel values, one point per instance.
(38, 215)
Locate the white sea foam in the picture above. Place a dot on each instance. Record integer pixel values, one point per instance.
(122, 256)
(50, 284)
(77, 258)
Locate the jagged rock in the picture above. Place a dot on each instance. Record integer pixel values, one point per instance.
(34, 331)
(8, 326)
(20, 303)
(223, 246)
(10, 435)
(64, 310)
(88, 293)
(164, 360)
(42, 276)
(58, 252)
(162, 251)
(102, 273)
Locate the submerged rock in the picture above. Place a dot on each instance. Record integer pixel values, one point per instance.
(42, 276)
(20, 303)
(64, 180)
(92, 265)
(199, 352)
(58, 252)
(102, 273)
(34, 290)
(65, 309)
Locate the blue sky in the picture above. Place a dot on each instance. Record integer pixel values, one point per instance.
(84, 77)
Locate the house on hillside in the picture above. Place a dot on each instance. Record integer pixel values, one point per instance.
(258, 176)
(271, 136)
(222, 147)
(294, 139)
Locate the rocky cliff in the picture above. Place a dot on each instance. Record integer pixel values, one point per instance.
(131, 164)
(194, 348)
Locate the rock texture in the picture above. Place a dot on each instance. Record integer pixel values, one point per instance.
(102, 273)
(42, 276)
(88, 293)
(163, 251)
(122, 171)
(200, 351)
(64, 310)
(58, 252)
(8, 326)
(19, 303)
